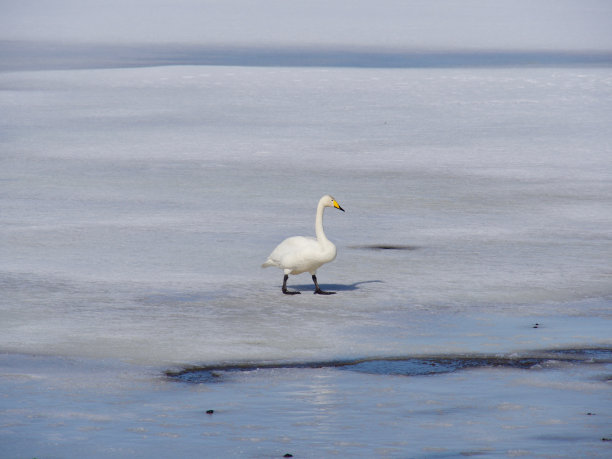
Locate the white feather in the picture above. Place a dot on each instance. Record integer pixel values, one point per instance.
(299, 254)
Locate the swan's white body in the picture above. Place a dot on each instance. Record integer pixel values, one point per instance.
(299, 254)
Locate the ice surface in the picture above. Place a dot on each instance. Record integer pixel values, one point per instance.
(137, 205)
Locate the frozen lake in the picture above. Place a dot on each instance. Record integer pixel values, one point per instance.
(138, 204)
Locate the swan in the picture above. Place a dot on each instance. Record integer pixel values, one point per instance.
(299, 254)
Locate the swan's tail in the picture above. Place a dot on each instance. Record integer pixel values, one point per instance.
(268, 263)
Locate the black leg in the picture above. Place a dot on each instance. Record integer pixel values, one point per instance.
(318, 289)
(285, 291)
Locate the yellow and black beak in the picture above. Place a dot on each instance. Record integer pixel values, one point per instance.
(337, 206)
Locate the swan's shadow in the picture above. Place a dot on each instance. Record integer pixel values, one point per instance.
(332, 287)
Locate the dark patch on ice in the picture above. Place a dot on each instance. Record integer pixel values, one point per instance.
(400, 366)
(595, 354)
(384, 247)
(421, 367)
(199, 377)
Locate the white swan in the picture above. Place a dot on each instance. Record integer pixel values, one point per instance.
(298, 254)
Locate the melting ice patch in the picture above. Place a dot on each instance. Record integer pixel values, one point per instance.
(404, 366)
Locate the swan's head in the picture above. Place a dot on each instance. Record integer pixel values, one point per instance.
(329, 201)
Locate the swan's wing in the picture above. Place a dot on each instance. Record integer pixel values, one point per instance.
(293, 244)
(291, 248)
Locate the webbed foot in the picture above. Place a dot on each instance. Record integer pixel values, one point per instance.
(318, 289)
(284, 289)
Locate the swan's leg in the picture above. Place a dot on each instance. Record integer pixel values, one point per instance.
(285, 291)
(318, 289)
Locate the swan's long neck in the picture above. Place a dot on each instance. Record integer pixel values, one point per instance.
(319, 223)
